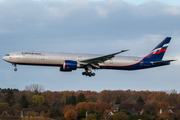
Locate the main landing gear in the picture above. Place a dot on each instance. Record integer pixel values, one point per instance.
(15, 69)
(88, 74)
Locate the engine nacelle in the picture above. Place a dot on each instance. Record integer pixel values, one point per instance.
(69, 65)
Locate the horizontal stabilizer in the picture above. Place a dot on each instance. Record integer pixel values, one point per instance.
(158, 62)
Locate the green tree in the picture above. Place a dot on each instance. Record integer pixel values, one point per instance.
(81, 98)
(100, 114)
(83, 113)
(140, 100)
(4, 107)
(67, 100)
(73, 100)
(120, 116)
(118, 100)
(91, 117)
(125, 111)
(9, 97)
(37, 100)
(24, 102)
(108, 101)
(91, 111)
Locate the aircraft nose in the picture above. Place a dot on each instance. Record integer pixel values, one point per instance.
(4, 58)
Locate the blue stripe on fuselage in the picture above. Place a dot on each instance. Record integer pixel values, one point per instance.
(140, 65)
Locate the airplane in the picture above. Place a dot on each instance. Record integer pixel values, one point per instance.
(71, 61)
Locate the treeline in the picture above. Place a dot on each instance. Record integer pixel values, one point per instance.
(5, 90)
(75, 104)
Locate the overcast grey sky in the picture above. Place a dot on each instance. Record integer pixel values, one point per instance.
(90, 26)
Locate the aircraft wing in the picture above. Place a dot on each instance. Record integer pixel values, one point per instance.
(101, 59)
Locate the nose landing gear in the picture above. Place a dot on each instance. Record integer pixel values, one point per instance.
(15, 69)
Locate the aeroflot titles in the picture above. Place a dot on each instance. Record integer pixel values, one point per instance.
(24, 53)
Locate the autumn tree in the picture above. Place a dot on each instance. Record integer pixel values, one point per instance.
(158, 96)
(172, 99)
(68, 107)
(162, 105)
(86, 106)
(92, 98)
(42, 113)
(64, 96)
(48, 114)
(151, 108)
(71, 114)
(105, 95)
(103, 105)
(164, 116)
(126, 106)
(81, 105)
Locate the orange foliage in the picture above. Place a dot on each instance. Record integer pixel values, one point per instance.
(158, 96)
(68, 107)
(53, 96)
(71, 114)
(42, 113)
(48, 114)
(86, 106)
(102, 105)
(162, 105)
(91, 105)
(65, 94)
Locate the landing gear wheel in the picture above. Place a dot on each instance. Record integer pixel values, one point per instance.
(88, 74)
(15, 69)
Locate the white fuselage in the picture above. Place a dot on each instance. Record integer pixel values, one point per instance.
(57, 59)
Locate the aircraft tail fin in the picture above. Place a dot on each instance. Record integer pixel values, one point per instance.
(158, 52)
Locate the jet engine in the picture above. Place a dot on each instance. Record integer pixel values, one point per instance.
(69, 65)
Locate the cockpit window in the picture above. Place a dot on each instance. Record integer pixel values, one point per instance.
(7, 54)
